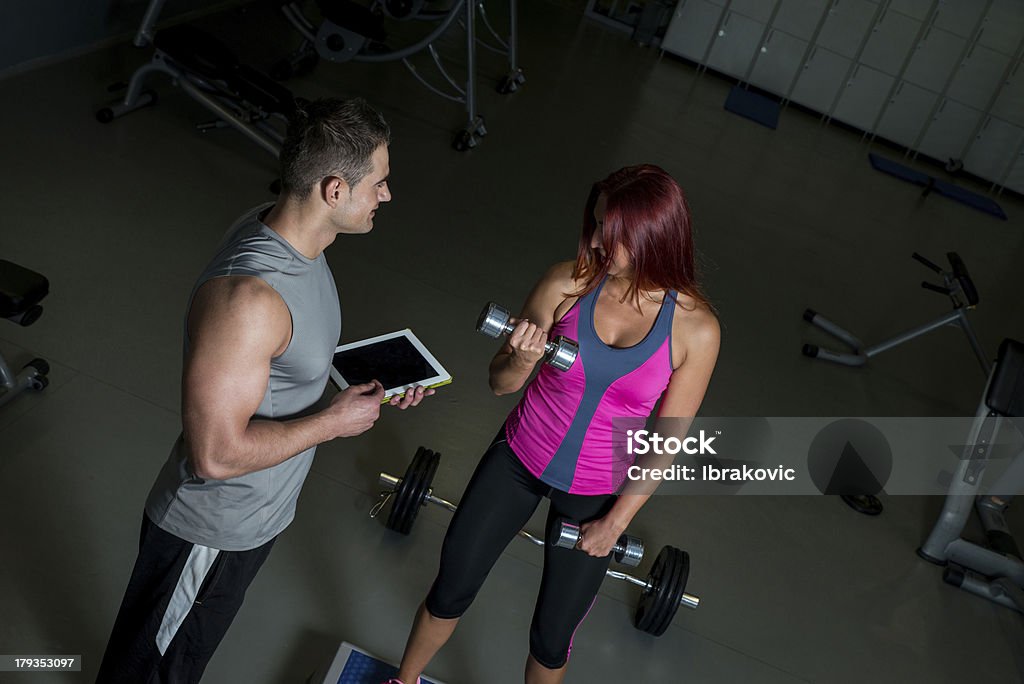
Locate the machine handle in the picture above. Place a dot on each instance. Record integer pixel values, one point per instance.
(927, 263)
(935, 288)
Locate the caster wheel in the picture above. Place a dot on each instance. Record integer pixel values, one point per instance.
(507, 86)
(39, 383)
(463, 141)
(105, 115)
(41, 366)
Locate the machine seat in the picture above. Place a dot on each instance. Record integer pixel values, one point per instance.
(1006, 392)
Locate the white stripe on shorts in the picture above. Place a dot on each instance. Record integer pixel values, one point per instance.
(198, 565)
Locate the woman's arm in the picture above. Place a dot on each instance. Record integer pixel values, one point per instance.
(512, 366)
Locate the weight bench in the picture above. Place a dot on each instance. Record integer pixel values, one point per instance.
(21, 290)
(238, 95)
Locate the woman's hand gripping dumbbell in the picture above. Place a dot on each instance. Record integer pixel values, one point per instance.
(628, 550)
(494, 322)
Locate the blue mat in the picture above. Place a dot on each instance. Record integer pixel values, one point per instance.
(953, 192)
(352, 665)
(753, 106)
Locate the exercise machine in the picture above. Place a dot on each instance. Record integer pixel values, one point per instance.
(349, 31)
(21, 290)
(993, 570)
(239, 96)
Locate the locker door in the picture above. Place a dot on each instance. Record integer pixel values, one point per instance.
(979, 77)
(820, 80)
(1009, 104)
(891, 40)
(863, 98)
(959, 16)
(1015, 178)
(935, 58)
(847, 22)
(778, 62)
(799, 17)
(918, 9)
(950, 130)
(993, 151)
(1002, 27)
(906, 114)
(758, 10)
(691, 29)
(735, 45)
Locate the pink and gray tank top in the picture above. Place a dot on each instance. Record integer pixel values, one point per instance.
(562, 428)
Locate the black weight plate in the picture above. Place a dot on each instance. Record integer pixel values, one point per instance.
(648, 599)
(682, 560)
(662, 601)
(414, 496)
(654, 603)
(399, 500)
(424, 480)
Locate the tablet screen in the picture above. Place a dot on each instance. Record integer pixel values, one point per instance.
(395, 362)
(398, 360)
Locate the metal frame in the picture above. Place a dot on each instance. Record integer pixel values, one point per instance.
(861, 352)
(995, 576)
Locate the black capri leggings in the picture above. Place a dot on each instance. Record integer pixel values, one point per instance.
(500, 498)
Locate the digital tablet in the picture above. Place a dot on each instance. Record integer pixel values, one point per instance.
(398, 360)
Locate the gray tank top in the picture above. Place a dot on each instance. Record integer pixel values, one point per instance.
(244, 512)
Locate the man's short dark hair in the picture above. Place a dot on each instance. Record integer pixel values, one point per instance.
(330, 137)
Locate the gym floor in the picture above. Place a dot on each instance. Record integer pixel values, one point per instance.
(121, 218)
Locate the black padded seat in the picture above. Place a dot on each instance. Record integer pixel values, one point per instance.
(261, 90)
(964, 278)
(1006, 392)
(20, 289)
(354, 17)
(196, 50)
(199, 52)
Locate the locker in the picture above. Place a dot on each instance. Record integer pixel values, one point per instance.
(820, 79)
(863, 97)
(906, 113)
(692, 27)
(779, 60)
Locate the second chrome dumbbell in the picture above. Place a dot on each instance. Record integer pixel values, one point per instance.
(628, 550)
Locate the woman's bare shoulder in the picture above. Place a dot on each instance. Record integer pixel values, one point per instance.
(695, 323)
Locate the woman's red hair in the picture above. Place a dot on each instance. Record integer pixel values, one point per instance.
(648, 216)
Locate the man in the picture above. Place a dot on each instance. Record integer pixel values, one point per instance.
(261, 329)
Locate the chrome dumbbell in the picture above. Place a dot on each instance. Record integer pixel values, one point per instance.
(628, 550)
(494, 322)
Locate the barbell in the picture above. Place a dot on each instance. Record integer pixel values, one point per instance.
(662, 592)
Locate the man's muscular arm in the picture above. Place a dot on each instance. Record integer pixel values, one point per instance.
(236, 326)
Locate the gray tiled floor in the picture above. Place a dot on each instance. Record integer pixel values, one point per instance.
(122, 217)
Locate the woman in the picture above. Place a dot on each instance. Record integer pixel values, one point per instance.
(645, 333)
